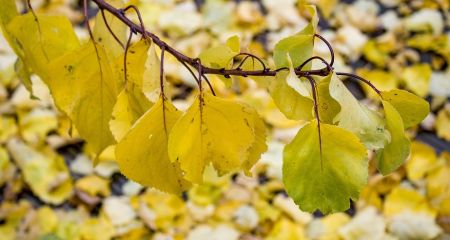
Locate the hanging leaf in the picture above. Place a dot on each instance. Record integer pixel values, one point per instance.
(142, 154)
(327, 106)
(221, 56)
(394, 154)
(130, 106)
(290, 102)
(90, 99)
(103, 36)
(365, 123)
(300, 85)
(217, 131)
(131, 102)
(324, 170)
(42, 40)
(411, 108)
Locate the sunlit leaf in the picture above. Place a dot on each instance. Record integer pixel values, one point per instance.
(143, 69)
(193, 139)
(397, 149)
(102, 35)
(92, 94)
(43, 40)
(130, 105)
(365, 123)
(324, 171)
(411, 108)
(291, 103)
(142, 153)
(327, 106)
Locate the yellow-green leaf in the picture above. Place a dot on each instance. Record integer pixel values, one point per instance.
(299, 47)
(220, 56)
(142, 154)
(328, 107)
(324, 171)
(365, 123)
(290, 102)
(213, 130)
(397, 149)
(411, 108)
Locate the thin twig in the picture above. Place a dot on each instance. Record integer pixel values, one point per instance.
(110, 30)
(351, 75)
(329, 47)
(191, 61)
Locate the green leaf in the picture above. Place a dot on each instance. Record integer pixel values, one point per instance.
(290, 102)
(142, 154)
(397, 150)
(299, 47)
(365, 123)
(324, 171)
(412, 109)
(221, 56)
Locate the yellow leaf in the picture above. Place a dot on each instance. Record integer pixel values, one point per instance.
(291, 103)
(90, 99)
(397, 149)
(130, 105)
(417, 78)
(421, 161)
(45, 172)
(213, 130)
(94, 186)
(103, 37)
(35, 125)
(411, 108)
(284, 229)
(98, 228)
(443, 124)
(47, 220)
(142, 153)
(402, 199)
(328, 107)
(43, 40)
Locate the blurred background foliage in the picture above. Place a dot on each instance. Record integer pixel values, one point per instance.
(50, 190)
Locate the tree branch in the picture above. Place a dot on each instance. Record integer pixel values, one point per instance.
(120, 14)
